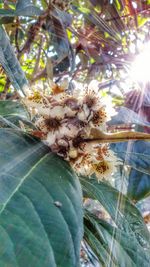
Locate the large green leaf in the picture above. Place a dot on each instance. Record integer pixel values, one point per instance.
(110, 244)
(10, 62)
(40, 205)
(125, 215)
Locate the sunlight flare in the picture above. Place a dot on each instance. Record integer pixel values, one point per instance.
(140, 69)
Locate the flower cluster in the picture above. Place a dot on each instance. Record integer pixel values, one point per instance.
(65, 122)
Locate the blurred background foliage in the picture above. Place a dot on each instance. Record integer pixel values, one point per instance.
(81, 41)
(77, 40)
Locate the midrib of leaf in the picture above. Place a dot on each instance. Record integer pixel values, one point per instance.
(21, 182)
(23, 156)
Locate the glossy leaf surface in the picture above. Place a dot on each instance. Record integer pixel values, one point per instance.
(40, 205)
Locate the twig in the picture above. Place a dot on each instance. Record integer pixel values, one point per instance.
(16, 36)
(97, 136)
(38, 58)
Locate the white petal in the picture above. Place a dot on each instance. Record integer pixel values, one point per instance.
(68, 131)
(69, 112)
(51, 138)
(57, 112)
(82, 116)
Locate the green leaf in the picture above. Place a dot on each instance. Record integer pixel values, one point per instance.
(125, 215)
(138, 158)
(9, 107)
(96, 245)
(10, 62)
(23, 8)
(118, 5)
(23, 3)
(26, 8)
(7, 13)
(41, 205)
(141, 21)
(12, 113)
(120, 248)
(128, 116)
(6, 20)
(139, 185)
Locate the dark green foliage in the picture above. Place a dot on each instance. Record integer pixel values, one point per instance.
(40, 206)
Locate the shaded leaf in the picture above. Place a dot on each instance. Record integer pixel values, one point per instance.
(136, 155)
(26, 8)
(6, 20)
(57, 29)
(9, 107)
(139, 185)
(65, 18)
(10, 62)
(7, 12)
(23, 8)
(121, 210)
(125, 115)
(122, 249)
(12, 114)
